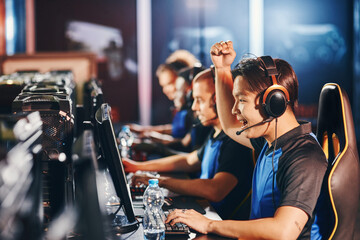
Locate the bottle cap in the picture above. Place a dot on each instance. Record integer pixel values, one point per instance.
(153, 181)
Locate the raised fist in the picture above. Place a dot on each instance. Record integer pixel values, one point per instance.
(222, 54)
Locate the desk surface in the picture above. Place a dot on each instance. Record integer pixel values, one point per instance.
(193, 236)
(210, 213)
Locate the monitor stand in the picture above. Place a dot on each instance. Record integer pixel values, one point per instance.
(120, 223)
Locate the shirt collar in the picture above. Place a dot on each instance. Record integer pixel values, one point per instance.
(219, 137)
(302, 129)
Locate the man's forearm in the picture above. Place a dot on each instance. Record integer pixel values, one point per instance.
(224, 99)
(166, 164)
(192, 187)
(253, 229)
(287, 223)
(166, 128)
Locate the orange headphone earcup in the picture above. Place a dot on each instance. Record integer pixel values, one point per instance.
(275, 103)
(275, 98)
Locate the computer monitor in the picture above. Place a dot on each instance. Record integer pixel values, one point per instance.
(112, 159)
(91, 222)
(93, 98)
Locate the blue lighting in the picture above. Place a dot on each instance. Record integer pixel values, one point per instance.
(10, 23)
(15, 26)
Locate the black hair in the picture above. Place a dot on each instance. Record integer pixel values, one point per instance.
(253, 71)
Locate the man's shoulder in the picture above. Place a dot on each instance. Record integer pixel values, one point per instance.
(305, 151)
(233, 148)
(228, 141)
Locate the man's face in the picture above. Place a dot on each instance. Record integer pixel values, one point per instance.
(247, 108)
(180, 93)
(167, 82)
(203, 104)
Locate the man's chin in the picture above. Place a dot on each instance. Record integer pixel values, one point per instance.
(205, 122)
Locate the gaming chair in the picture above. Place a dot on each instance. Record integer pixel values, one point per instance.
(336, 134)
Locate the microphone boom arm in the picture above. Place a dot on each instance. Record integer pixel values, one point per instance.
(257, 124)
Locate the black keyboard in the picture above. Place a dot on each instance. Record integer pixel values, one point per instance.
(170, 203)
(137, 190)
(176, 229)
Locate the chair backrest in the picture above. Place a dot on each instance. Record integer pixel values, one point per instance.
(336, 134)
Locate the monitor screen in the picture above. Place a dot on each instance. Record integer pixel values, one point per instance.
(111, 155)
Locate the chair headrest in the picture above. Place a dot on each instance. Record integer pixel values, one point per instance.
(335, 116)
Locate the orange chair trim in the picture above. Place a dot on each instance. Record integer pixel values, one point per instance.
(337, 162)
(336, 144)
(325, 144)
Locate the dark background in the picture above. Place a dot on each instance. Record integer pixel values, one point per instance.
(315, 37)
(51, 21)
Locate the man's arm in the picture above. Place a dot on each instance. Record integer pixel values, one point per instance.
(287, 223)
(165, 128)
(214, 190)
(223, 55)
(185, 141)
(162, 138)
(186, 163)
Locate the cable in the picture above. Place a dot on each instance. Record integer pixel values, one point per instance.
(123, 228)
(117, 210)
(273, 169)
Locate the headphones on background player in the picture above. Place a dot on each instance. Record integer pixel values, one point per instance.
(212, 103)
(213, 100)
(275, 98)
(189, 74)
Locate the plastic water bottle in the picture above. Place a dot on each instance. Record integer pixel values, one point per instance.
(111, 199)
(153, 221)
(126, 138)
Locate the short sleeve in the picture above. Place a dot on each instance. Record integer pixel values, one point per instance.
(301, 177)
(200, 151)
(180, 124)
(237, 160)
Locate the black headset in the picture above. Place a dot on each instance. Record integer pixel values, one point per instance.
(213, 100)
(274, 102)
(189, 99)
(189, 74)
(275, 98)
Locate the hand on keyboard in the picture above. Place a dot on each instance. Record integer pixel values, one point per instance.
(175, 229)
(191, 218)
(137, 188)
(141, 177)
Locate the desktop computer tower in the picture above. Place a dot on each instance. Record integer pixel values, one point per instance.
(9, 89)
(57, 137)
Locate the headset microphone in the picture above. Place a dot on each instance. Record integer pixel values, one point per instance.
(201, 122)
(262, 122)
